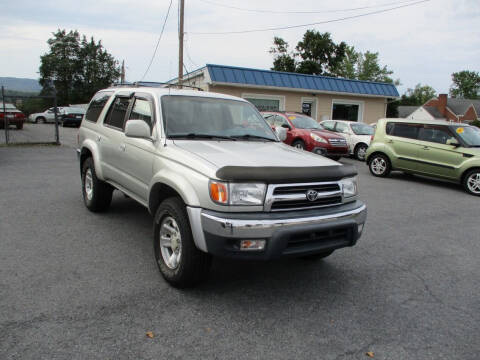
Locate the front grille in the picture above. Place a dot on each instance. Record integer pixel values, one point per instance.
(337, 142)
(294, 196)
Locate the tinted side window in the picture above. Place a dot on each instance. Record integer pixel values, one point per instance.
(116, 113)
(96, 105)
(341, 127)
(329, 125)
(142, 110)
(436, 134)
(409, 131)
(280, 120)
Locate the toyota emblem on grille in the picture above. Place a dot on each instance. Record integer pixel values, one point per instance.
(312, 195)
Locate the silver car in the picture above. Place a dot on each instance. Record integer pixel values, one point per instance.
(216, 178)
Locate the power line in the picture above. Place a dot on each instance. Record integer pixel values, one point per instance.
(310, 24)
(304, 12)
(158, 41)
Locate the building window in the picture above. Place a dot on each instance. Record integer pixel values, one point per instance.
(347, 110)
(266, 102)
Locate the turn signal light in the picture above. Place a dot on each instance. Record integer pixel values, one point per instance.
(249, 245)
(218, 192)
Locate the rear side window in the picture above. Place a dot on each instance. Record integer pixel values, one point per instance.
(409, 131)
(116, 113)
(96, 105)
(329, 125)
(436, 134)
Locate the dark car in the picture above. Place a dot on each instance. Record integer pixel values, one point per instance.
(305, 133)
(14, 116)
(72, 116)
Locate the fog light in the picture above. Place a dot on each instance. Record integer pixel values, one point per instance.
(252, 245)
(360, 228)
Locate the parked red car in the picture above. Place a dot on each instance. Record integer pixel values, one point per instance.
(15, 117)
(305, 133)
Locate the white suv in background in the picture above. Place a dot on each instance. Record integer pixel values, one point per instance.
(358, 135)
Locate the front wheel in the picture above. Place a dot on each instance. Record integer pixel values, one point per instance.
(97, 194)
(335, 157)
(177, 257)
(299, 144)
(360, 152)
(471, 182)
(379, 165)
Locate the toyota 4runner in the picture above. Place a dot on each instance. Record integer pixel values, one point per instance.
(216, 178)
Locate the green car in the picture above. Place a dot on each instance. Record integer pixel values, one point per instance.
(450, 151)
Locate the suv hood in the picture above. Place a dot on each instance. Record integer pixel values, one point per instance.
(264, 161)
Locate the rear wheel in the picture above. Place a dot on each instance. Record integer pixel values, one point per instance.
(97, 194)
(360, 151)
(40, 119)
(379, 165)
(471, 182)
(177, 257)
(20, 126)
(335, 157)
(299, 144)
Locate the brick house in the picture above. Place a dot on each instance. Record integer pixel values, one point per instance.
(451, 109)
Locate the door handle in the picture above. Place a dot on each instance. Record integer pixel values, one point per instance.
(122, 147)
(390, 141)
(99, 138)
(426, 148)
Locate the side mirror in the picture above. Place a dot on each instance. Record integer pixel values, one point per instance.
(453, 142)
(137, 129)
(286, 126)
(281, 133)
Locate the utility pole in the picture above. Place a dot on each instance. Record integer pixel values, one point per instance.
(122, 74)
(180, 44)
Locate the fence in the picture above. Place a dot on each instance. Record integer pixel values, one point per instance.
(18, 128)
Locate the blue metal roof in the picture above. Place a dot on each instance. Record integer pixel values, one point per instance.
(238, 75)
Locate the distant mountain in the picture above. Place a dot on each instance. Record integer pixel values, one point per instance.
(20, 84)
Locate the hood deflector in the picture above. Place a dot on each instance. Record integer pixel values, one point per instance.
(280, 175)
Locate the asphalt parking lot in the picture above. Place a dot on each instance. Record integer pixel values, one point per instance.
(77, 285)
(40, 133)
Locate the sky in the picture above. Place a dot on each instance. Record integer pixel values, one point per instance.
(423, 43)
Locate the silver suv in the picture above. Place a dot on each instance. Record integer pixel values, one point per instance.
(216, 178)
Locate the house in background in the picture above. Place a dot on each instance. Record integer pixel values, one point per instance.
(444, 108)
(320, 97)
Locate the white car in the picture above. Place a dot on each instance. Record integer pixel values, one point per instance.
(46, 116)
(358, 135)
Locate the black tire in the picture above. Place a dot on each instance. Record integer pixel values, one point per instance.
(299, 144)
(470, 180)
(193, 265)
(40, 119)
(334, 157)
(360, 151)
(379, 165)
(100, 198)
(19, 126)
(319, 255)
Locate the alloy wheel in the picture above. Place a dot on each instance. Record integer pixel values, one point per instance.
(473, 183)
(378, 166)
(89, 184)
(170, 242)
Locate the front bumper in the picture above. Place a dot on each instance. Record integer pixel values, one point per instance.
(331, 151)
(294, 233)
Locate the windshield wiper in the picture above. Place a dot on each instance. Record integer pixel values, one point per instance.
(200, 136)
(249, 136)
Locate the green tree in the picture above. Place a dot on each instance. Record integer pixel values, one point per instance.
(315, 54)
(369, 68)
(76, 68)
(60, 66)
(348, 68)
(283, 59)
(418, 96)
(466, 84)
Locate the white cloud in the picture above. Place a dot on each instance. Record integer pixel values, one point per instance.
(423, 43)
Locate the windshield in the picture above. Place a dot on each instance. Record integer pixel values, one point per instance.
(362, 129)
(201, 117)
(304, 122)
(469, 135)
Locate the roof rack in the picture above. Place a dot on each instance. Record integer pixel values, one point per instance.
(155, 84)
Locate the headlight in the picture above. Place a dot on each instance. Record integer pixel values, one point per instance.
(318, 138)
(349, 186)
(236, 193)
